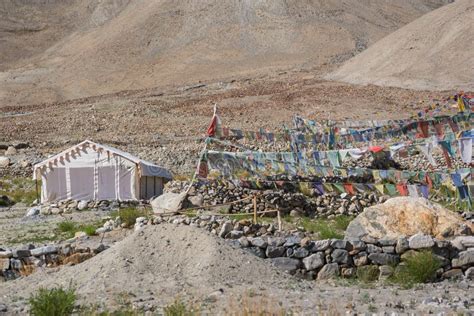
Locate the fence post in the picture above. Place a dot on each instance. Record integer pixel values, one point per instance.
(255, 209)
(279, 221)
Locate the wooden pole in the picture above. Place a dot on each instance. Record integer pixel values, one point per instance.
(37, 190)
(255, 209)
(279, 221)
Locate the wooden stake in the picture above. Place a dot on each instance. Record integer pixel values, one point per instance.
(279, 221)
(255, 209)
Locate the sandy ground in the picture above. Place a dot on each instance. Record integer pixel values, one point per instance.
(152, 267)
(432, 52)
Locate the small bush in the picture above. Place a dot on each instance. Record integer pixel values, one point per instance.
(367, 274)
(420, 267)
(67, 227)
(178, 308)
(53, 302)
(89, 229)
(341, 222)
(129, 215)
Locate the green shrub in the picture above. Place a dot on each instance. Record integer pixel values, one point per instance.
(367, 274)
(53, 302)
(420, 267)
(341, 222)
(129, 215)
(89, 229)
(178, 308)
(67, 227)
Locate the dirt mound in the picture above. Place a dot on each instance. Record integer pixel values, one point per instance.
(57, 51)
(434, 52)
(163, 262)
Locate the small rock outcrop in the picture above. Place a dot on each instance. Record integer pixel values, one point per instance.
(406, 216)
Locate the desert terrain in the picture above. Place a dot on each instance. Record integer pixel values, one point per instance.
(145, 76)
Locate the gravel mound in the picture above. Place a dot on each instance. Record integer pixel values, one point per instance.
(159, 263)
(432, 53)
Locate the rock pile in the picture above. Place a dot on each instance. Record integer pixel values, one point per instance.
(296, 253)
(69, 206)
(292, 203)
(26, 259)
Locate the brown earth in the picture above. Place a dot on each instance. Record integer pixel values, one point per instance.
(56, 50)
(434, 52)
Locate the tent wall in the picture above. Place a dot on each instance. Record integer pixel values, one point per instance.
(150, 187)
(90, 175)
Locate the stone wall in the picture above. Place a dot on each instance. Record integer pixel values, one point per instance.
(69, 206)
(297, 254)
(294, 203)
(25, 260)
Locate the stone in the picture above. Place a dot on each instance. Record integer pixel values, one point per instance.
(168, 202)
(225, 229)
(244, 242)
(340, 256)
(82, 205)
(329, 271)
(385, 272)
(384, 259)
(235, 234)
(361, 259)
(21, 253)
(276, 241)
(292, 241)
(305, 242)
(406, 216)
(387, 242)
(348, 272)
(340, 244)
(301, 253)
(4, 264)
(257, 251)
(258, 242)
(99, 248)
(420, 241)
(465, 258)
(44, 250)
(388, 249)
(16, 264)
(373, 249)
(463, 242)
(3, 308)
(33, 211)
(10, 151)
(453, 274)
(275, 251)
(408, 254)
(320, 245)
(56, 210)
(358, 245)
(4, 162)
(314, 261)
(6, 254)
(286, 264)
(196, 200)
(402, 245)
(469, 274)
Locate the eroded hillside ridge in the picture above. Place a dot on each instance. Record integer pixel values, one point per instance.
(56, 50)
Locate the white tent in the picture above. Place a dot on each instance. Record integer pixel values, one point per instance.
(91, 171)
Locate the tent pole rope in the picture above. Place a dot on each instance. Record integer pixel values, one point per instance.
(199, 161)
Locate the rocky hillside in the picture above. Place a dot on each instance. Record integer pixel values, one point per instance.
(435, 52)
(56, 50)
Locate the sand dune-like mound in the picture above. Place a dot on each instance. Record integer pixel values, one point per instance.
(162, 261)
(57, 50)
(435, 52)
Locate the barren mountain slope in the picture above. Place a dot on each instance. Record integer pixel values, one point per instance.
(57, 50)
(435, 51)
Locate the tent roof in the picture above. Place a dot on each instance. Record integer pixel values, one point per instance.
(147, 168)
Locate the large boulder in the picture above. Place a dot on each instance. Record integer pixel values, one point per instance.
(168, 202)
(407, 216)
